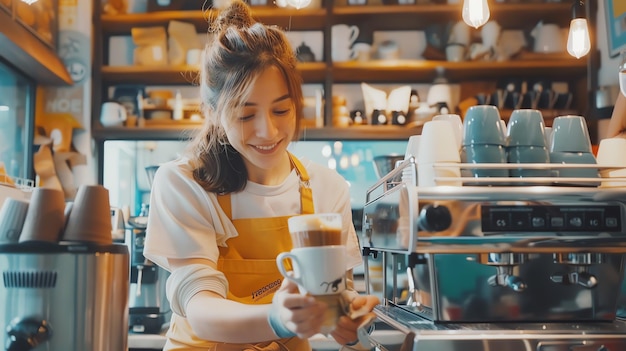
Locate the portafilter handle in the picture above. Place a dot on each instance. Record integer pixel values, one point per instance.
(27, 333)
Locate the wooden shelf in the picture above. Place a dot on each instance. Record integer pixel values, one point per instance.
(184, 131)
(425, 71)
(419, 16)
(373, 71)
(180, 75)
(289, 19)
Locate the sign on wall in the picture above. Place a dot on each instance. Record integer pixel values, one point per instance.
(616, 25)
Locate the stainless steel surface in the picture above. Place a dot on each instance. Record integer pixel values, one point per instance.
(79, 292)
(504, 336)
(520, 264)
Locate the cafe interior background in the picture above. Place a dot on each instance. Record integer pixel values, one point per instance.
(60, 76)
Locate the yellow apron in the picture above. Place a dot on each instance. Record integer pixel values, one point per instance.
(249, 263)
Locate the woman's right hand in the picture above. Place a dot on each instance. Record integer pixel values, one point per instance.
(301, 314)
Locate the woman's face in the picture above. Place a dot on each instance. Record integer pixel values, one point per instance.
(265, 126)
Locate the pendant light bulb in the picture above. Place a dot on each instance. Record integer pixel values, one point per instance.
(299, 4)
(578, 42)
(475, 12)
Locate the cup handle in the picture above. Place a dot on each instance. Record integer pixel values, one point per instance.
(280, 262)
(122, 112)
(354, 33)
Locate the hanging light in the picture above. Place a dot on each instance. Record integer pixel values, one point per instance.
(29, 2)
(475, 12)
(299, 4)
(578, 44)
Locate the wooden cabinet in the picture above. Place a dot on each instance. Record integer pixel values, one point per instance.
(471, 75)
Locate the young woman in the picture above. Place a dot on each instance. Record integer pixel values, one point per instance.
(218, 215)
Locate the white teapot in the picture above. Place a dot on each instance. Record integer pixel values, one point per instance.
(548, 38)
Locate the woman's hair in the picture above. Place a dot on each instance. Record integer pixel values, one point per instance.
(239, 51)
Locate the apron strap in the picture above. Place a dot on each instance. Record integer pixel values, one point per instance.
(306, 194)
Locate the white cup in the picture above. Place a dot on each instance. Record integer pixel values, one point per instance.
(611, 154)
(319, 271)
(362, 51)
(342, 38)
(438, 144)
(455, 52)
(193, 57)
(112, 114)
(12, 216)
(457, 125)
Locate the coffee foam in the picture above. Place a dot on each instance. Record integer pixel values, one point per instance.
(305, 223)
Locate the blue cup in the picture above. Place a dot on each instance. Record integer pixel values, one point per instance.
(575, 158)
(487, 153)
(526, 128)
(528, 154)
(482, 125)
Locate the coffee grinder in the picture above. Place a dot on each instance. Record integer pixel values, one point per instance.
(149, 307)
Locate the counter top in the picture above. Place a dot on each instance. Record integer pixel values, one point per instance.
(318, 342)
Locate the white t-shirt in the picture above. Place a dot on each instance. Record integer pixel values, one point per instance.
(186, 221)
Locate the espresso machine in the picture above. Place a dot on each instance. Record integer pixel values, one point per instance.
(514, 266)
(63, 296)
(149, 310)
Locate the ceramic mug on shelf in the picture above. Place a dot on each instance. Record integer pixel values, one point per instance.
(112, 114)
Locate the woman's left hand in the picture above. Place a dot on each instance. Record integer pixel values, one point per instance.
(346, 330)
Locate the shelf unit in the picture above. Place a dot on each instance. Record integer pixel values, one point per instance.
(375, 17)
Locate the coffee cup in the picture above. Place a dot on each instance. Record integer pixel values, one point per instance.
(457, 125)
(438, 145)
(362, 51)
(570, 134)
(612, 156)
(112, 114)
(319, 271)
(484, 153)
(526, 128)
(455, 52)
(318, 229)
(342, 38)
(12, 216)
(45, 217)
(90, 216)
(482, 125)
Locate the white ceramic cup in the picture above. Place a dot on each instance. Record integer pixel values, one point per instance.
(112, 114)
(362, 51)
(319, 271)
(455, 52)
(611, 153)
(12, 216)
(342, 38)
(457, 125)
(193, 57)
(438, 144)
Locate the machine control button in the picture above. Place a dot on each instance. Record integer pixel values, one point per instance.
(538, 222)
(434, 218)
(611, 222)
(557, 222)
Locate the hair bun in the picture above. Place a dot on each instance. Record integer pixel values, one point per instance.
(237, 14)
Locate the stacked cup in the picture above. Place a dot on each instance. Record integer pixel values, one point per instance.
(45, 217)
(438, 144)
(90, 216)
(318, 261)
(527, 142)
(571, 144)
(484, 141)
(12, 216)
